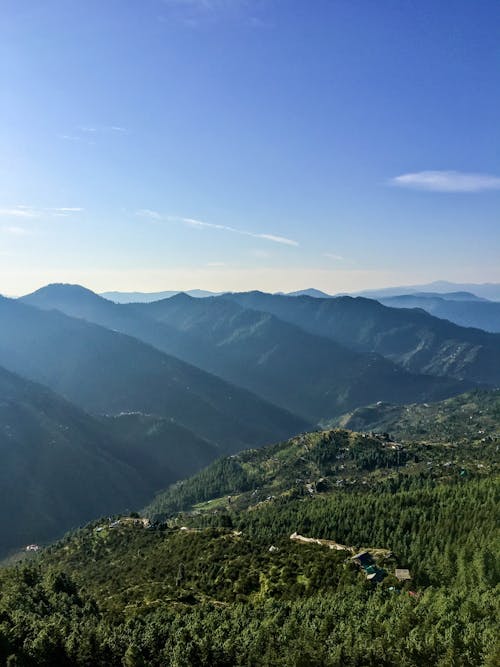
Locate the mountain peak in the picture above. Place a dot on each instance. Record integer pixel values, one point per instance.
(310, 291)
(66, 290)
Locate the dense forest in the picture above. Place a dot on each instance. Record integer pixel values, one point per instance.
(222, 583)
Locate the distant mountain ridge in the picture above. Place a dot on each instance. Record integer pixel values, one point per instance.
(467, 312)
(310, 375)
(412, 338)
(146, 297)
(490, 291)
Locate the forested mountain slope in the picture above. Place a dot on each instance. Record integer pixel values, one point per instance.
(310, 375)
(412, 338)
(458, 437)
(108, 373)
(471, 418)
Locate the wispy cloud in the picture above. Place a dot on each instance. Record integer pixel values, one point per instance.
(67, 209)
(210, 225)
(19, 212)
(78, 138)
(215, 264)
(332, 255)
(88, 133)
(30, 212)
(149, 213)
(447, 181)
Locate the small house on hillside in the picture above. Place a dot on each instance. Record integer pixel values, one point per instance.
(402, 574)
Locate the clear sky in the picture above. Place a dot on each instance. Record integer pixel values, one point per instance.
(240, 144)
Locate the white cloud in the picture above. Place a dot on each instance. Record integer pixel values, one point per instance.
(332, 255)
(209, 225)
(214, 264)
(447, 181)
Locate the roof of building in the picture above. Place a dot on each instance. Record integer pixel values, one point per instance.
(402, 574)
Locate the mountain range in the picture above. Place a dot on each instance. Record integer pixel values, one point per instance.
(310, 375)
(489, 291)
(462, 308)
(411, 338)
(146, 297)
(106, 372)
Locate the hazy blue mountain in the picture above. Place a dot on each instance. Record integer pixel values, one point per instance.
(489, 291)
(60, 467)
(107, 372)
(310, 375)
(450, 296)
(474, 312)
(311, 291)
(147, 297)
(412, 338)
(77, 301)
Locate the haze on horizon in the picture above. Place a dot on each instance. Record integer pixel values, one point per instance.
(231, 145)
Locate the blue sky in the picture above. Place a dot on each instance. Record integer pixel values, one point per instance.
(232, 144)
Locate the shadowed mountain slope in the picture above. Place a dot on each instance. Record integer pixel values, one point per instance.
(59, 466)
(158, 448)
(107, 372)
(414, 339)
